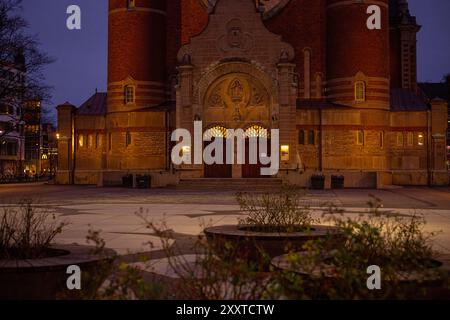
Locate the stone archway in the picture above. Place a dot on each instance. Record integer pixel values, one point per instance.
(238, 96)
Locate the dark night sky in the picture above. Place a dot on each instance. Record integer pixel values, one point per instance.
(81, 55)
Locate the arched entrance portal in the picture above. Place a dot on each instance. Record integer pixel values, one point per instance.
(217, 170)
(239, 96)
(260, 136)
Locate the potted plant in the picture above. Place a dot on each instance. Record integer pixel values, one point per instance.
(318, 182)
(397, 245)
(273, 224)
(32, 267)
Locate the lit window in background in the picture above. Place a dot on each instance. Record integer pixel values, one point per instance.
(186, 150)
(410, 139)
(284, 153)
(129, 94)
(400, 139)
(360, 137)
(360, 91)
(421, 139)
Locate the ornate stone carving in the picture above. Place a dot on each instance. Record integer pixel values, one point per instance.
(236, 91)
(258, 97)
(235, 39)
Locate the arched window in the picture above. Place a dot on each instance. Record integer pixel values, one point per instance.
(81, 141)
(420, 139)
(90, 141)
(131, 4)
(381, 139)
(129, 94)
(256, 132)
(301, 137)
(360, 137)
(128, 138)
(110, 141)
(215, 132)
(400, 139)
(98, 141)
(311, 137)
(410, 139)
(360, 91)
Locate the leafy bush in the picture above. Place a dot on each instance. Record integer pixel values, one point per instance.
(275, 212)
(26, 231)
(397, 244)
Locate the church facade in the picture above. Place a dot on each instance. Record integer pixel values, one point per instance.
(344, 97)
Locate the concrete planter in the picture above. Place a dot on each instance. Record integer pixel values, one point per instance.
(45, 279)
(431, 283)
(256, 245)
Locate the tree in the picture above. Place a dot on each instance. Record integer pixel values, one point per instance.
(21, 63)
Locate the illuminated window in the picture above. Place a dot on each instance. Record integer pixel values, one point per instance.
(215, 132)
(128, 139)
(81, 141)
(90, 141)
(131, 4)
(110, 140)
(129, 94)
(98, 140)
(400, 139)
(421, 139)
(301, 137)
(186, 151)
(256, 132)
(381, 139)
(360, 91)
(360, 137)
(311, 137)
(284, 151)
(410, 139)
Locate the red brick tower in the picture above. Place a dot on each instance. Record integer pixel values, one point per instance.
(137, 54)
(357, 58)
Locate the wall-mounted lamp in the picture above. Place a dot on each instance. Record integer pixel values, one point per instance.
(186, 150)
(284, 152)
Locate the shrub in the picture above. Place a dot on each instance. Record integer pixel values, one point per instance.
(397, 244)
(275, 212)
(26, 231)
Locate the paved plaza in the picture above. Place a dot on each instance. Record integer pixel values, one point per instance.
(186, 211)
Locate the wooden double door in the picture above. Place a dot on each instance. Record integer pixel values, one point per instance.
(248, 170)
(218, 170)
(254, 170)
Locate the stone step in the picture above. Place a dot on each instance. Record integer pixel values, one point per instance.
(231, 184)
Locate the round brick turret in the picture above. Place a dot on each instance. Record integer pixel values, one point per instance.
(356, 54)
(136, 52)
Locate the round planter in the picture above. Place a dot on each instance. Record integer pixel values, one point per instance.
(429, 284)
(239, 241)
(46, 278)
